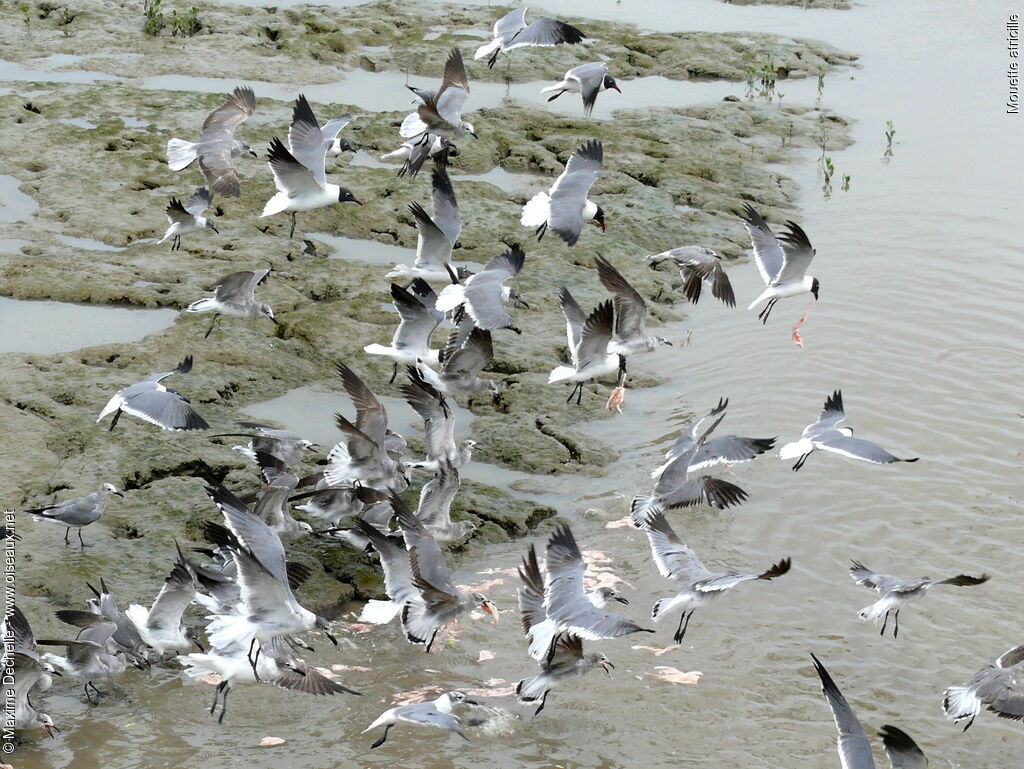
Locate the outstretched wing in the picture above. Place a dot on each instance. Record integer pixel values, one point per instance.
(570, 190)
(768, 253)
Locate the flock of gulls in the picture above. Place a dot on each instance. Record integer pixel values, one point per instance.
(256, 629)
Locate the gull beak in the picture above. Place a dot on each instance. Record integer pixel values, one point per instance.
(50, 729)
(56, 673)
(274, 320)
(468, 701)
(313, 447)
(473, 134)
(119, 494)
(199, 646)
(622, 600)
(491, 609)
(253, 153)
(212, 227)
(357, 202)
(603, 227)
(617, 88)
(607, 667)
(330, 637)
(521, 303)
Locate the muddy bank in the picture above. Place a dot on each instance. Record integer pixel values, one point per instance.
(672, 176)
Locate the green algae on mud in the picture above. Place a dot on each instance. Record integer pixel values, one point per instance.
(706, 159)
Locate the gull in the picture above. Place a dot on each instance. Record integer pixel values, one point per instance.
(419, 317)
(697, 585)
(269, 608)
(565, 599)
(783, 264)
(362, 454)
(154, 403)
(824, 434)
(902, 751)
(896, 592)
(589, 338)
(565, 660)
(566, 206)
(187, 217)
(300, 188)
(435, 236)
(87, 656)
(414, 152)
(126, 637)
(440, 113)
(540, 629)
(398, 580)
(629, 331)
(275, 665)
(235, 296)
(161, 626)
(586, 79)
(217, 145)
(271, 503)
(439, 425)
(725, 449)
(289, 447)
(434, 509)
(485, 293)
(25, 673)
(674, 488)
(999, 686)
(439, 602)
(853, 744)
(698, 265)
(334, 504)
(461, 365)
(433, 713)
(78, 512)
(19, 639)
(511, 31)
(310, 142)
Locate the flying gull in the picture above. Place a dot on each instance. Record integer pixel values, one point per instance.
(589, 338)
(152, 402)
(485, 293)
(698, 265)
(440, 113)
(290, 447)
(853, 744)
(416, 306)
(87, 657)
(217, 145)
(511, 31)
(438, 423)
(435, 235)
(565, 660)
(565, 207)
(724, 449)
(461, 365)
(902, 751)
(161, 626)
(188, 216)
(825, 435)
(586, 79)
(235, 296)
(433, 713)
(999, 686)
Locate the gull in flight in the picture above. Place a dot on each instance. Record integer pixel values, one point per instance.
(825, 435)
(589, 338)
(565, 207)
(78, 512)
(783, 264)
(485, 293)
(300, 174)
(187, 216)
(417, 310)
(433, 713)
(586, 79)
(440, 113)
(217, 145)
(853, 744)
(698, 265)
(435, 236)
(461, 365)
(161, 627)
(725, 449)
(235, 296)
(152, 402)
(902, 751)
(999, 686)
(896, 592)
(511, 31)
(438, 425)
(697, 585)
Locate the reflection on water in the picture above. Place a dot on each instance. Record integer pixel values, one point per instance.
(44, 328)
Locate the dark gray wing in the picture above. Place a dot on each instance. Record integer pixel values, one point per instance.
(854, 746)
(902, 751)
(858, 448)
(595, 336)
(798, 253)
(590, 77)
(240, 286)
(881, 583)
(310, 681)
(630, 307)
(446, 207)
(433, 249)
(768, 254)
(545, 32)
(729, 449)
(531, 592)
(291, 177)
(431, 717)
(178, 591)
(165, 408)
(177, 214)
(453, 92)
(309, 144)
(437, 495)
(721, 582)
(697, 265)
(570, 190)
(182, 368)
(674, 559)
(394, 560)
(199, 202)
(371, 417)
(238, 108)
(418, 320)
(476, 352)
(429, 568)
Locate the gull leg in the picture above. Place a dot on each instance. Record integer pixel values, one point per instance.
(212, 324)
(291, 234)
(543, 702)
(223, 705)
(681, 632)
(896, 623)
(618, 395)
(117, 415)
(383, 737)
(252, 660)
(800, 462)
(88, 695)
(969, 724)
(394, 372)
(884, 623)
(797, 339)
(216, 695)
(80, 540)
(67, 531)
(763, 315)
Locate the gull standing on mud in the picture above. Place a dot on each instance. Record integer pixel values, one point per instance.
(440, 113)
(999, 686)
(433, 713)
(300, 175)
(586, 79)
(435, 236)
(154, 403)
(78, 512)
(416, 306)
(485, 293)
(87, 656)
(235, 297)
(187, 216)
(783, 264)
(698, 265)
(566, 206)
(589, 337)
(697, 585)
(511, 31)
(825, 435)
(217, 145)
(896, 593)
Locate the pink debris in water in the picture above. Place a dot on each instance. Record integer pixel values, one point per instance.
(676, 676)
(488, 572)
(415, 696)
(483, 587)
(498, 691)
(269, 742)
(622, 523)
(355, 668)
(213, 679)
(655, 650)
(355, 627)
(485, 655)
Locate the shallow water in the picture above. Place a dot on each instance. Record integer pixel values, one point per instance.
(15, 205)
(929, 360)
(44, 328)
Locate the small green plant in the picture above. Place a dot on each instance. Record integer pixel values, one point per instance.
(66, 16)
(26, 15)
(846, 182)
(889, 133)
(821, 79)
(822, 136)
(187, 24)
(768, 73)
(829, 170)
(780, 97)
(154, 17)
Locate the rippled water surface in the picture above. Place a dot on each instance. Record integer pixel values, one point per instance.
(919, 323)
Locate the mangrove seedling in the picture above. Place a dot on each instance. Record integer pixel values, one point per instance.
(154, 17)
(889, 133)
(846, 182)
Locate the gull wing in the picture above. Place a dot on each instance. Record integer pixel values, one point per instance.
(570, 190)
(371, 418)
(630, 307)
(853, 744)
(199, 202)
(545, 32)
(902, 751)
(476, 352)
(235, 110)
(591, 78)
(595, 336)
(797, 252)
(433, 249)
(291, 177)
(674, 559)
(574, 319)
(768, 253)
(446, 207)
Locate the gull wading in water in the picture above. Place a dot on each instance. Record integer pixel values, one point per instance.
(235, 296)
(153, 402)
(588, 80)
(511, 31)
(565, 207)
(825, 435)
(782, 262)
(187, 217)
(217, 145)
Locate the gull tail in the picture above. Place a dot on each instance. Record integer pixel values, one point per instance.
(486, 50)
(662, 607)
(180, 154)
(412, 125)
(275, 205)
(643, 509)
(451, 296)
(201, 305)
(198, 665)
(401, 153)
(959, 703)
(532, 689)
(379, 612)
(875, 610)
(227, 629)
(378, 349)
(796, 449)
(555, 87)
(561, 374)
(536, 211)
(419, 629)
(765, 295)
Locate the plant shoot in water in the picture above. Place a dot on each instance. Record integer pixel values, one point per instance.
(890, 132)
